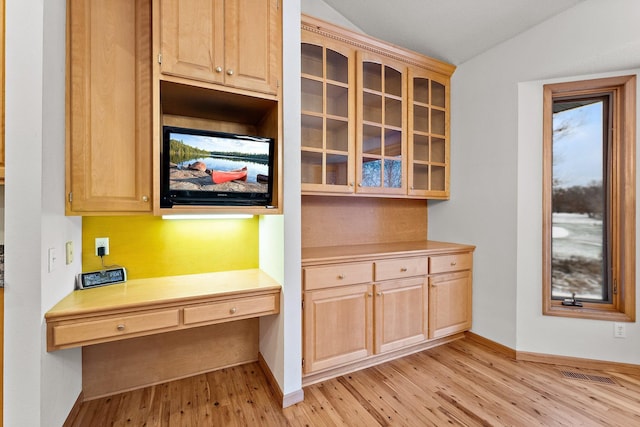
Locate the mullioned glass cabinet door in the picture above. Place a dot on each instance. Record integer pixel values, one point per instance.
(428, 138)
(327, 143)
(381, 140)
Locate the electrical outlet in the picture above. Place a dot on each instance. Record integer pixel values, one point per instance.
(619, 330)
(69, 252)
(102, 242)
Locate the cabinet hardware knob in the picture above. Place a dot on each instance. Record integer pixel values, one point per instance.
(453, 263)
(379, 294)
(233, 310)
(403, 269)
(120, 327)
(340, 276)
(218, 69)
(145, 198)
(230, 72)
(369, 294)
(351, 184)
(359, 184)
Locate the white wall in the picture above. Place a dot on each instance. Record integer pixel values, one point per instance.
(281, 336)
(496, 174)
(319, 9)
(39, 388)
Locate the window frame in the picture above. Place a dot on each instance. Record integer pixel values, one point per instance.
(622, 186)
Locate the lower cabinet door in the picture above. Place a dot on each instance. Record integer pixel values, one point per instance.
(449, 303)
(338, 326)
(400, 313)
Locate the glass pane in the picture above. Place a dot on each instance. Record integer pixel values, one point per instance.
(371, 140)
(438, 153)
(393, 112)
(437, 122)
(392, 81)
(311, 95)
(337, 67)
(372, 107)
(311, 59)
(337, 100)
(392, 143)
(372, 76)
(420, 148)
(337, 135)
(311, 131)
(421, 90)
(437, 94)
(420, 118)
(371, 172)
(392, 173)
(578, 201)
(420, 177)
(337, 169)
(311, 167)
(438, 175)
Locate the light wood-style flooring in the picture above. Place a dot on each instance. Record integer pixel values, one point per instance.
(462, 383)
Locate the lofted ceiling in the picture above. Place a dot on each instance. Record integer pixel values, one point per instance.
(450, 30)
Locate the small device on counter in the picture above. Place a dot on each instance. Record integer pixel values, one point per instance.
(108, 276)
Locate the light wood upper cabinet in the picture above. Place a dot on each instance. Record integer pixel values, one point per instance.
(108, 153)
(234, 43)
(428, 134)
(400, 109)
(327, 137)
(381, 120)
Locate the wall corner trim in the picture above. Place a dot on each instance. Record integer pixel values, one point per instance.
(286, 400)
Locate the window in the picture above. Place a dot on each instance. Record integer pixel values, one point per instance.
(589, 199)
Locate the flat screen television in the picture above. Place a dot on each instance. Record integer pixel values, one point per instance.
(207, 168)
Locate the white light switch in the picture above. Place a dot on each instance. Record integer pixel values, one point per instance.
(52, 259)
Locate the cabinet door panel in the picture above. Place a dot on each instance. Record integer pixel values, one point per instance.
(109, 107)
(337, 326)
(428, 134)
(192, 39)
(400, 313)
(381, 119)
(327, 137)
(252, 52)
(449, 304)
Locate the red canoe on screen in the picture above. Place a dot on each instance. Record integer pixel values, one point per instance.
(219, 177)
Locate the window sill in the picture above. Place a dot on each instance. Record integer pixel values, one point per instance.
(586, 313)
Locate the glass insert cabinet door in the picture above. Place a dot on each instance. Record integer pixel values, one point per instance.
(428, 136)
(381, 140)
(327, 142)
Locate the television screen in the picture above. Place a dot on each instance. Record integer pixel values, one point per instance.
(214, 168)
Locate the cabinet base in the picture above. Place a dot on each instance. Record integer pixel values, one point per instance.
(377, 359)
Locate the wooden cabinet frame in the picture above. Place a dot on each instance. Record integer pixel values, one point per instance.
(365, 304)
(408, 63)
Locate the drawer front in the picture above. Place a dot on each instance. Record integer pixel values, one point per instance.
(115, 326)
(337, 275)
(447, 263)
(400, 268)
(232, 309)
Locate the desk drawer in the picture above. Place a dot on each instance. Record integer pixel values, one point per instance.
(337, 275)
(448, 263)
(115, 326)
(400, 268)
(231, 309)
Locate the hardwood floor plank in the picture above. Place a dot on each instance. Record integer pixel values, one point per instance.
(463, 383)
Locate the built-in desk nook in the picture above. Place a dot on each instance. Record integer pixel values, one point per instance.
(147, 331)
